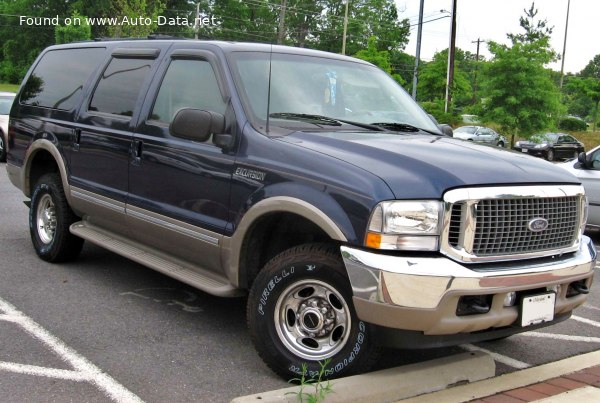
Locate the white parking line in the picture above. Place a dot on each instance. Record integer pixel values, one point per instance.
(498, 357)
(586, 321)
(591, 307)
(562, 337)
(84, 369)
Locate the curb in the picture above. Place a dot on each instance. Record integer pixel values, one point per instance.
(513, 380)
(395, 383)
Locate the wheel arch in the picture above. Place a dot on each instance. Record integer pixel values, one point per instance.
(242, 254)
(42, 157)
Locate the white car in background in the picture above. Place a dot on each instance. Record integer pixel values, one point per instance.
(588, 171)
(6, 100)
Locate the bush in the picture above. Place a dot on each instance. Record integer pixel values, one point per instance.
(437, 110)
(572, 124)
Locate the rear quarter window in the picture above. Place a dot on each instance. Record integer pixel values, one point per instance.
(57, 80)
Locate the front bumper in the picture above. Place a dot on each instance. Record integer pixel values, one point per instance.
(538, 152)
(422, 293)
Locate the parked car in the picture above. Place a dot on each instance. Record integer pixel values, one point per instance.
(6, 100)
(551, 146)
(587, 168)
(310, 181)
(480, 134)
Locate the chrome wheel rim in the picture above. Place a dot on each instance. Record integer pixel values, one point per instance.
(46, 219)
(312, 319)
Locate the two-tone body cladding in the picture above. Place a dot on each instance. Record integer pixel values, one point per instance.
(310, 181)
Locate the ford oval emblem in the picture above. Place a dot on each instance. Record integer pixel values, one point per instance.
(537, 224)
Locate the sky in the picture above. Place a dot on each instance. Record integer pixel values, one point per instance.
(493, 19)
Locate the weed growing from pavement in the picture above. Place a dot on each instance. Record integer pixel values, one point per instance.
(321, 388)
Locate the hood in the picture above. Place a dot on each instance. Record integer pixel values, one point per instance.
(418, 166)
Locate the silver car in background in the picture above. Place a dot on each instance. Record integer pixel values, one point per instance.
(480, 134)
(6, 100)
(587, 168)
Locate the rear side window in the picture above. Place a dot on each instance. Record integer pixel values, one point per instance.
(120, 85)
(57, 80)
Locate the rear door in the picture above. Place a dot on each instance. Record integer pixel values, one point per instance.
(179, 188)
(102, 141)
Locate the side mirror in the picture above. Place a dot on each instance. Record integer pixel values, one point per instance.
(446, 129)
(196, 124)
(582, 159)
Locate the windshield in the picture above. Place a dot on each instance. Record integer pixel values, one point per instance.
(322, 87)
(5, 104)
(547, 137)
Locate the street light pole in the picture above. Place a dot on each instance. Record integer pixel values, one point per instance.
(345, 27)
(562, 64)
(450, 74)
(418, 55)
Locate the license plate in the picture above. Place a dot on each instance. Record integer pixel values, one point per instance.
(537, 309)
(523, 150)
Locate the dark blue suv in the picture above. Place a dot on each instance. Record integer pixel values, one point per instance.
(310, 180)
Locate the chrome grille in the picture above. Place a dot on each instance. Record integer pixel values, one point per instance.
(502, 225)
(488, 224)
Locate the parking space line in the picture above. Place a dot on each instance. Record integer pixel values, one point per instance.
(110, 387)
(586, 321)
(562, 337)
(591, 307)
(42, 371)
(498, 357)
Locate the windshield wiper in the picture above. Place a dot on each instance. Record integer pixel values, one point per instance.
(323, 120)
(402, 127)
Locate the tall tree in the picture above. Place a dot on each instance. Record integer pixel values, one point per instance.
(521, 95)
(432, 78)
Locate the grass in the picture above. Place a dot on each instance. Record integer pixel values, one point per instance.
(9, 87)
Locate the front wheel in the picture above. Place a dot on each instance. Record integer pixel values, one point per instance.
(550, 154)
(300, 312)
(49, 219)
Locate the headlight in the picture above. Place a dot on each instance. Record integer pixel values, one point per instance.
(541, 145)
(518, 144)
(405, 225)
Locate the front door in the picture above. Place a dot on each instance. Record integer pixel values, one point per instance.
(179, 188)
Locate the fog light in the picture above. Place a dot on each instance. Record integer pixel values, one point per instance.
(510, 299)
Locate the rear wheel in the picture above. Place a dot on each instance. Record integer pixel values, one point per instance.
(49, 220)
(500, 144)
(300, 312)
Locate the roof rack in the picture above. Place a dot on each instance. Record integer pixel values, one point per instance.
(151, 36)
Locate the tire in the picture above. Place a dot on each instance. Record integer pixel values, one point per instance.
(500, 144)
(49, 220)
(300, 312)
(550, 154)
(2, 148)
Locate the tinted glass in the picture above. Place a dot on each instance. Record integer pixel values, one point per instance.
(119, 86)
(314, 85)
(57, 81)
(5, 104)
(187, 84)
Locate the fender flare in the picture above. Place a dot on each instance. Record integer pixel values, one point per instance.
(43, 145)
(232, 247)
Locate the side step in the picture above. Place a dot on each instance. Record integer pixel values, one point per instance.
(193, 276)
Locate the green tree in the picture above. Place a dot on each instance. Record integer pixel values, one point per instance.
(133, 9)
(588, 87)
(520, 94)
(74, 32)
(380, 58)
(433, 75)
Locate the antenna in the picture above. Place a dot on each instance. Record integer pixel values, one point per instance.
(269, 89)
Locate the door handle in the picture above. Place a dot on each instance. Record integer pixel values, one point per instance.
(138, 146)
(77, 141)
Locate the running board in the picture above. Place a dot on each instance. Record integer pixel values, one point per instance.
(172, 268)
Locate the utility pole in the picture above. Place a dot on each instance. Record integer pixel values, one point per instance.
(418, 55)
(197, 21)
(478, 41)
(451, 48)
(345, 27)
(281, 30)
(562, 64)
